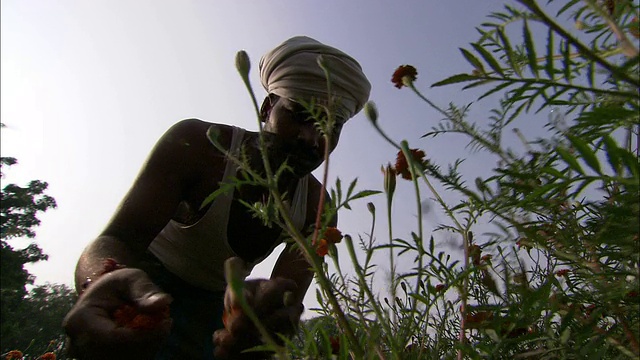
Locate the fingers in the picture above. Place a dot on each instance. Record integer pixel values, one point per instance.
(137, 286)
(270, 295)
(131, 284)
(121, 315)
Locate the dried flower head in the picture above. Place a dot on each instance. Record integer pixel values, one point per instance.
(404, 76)
(402, 165)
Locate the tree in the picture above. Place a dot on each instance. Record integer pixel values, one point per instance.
(35, 328)
(19, 207)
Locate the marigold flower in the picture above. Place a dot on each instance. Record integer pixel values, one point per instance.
(402, 165)
(48, 356)
(475, 321)
(404, 75)
(562, 272)
(14, 354)
(323, 248)
(333, 235)
(129, 317)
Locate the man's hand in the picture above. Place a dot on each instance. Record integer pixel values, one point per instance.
(273, 304)
(95, 334)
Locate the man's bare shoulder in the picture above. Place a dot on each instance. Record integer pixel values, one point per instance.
(195, 131)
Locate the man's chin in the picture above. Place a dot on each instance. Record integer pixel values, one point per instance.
(301, 169)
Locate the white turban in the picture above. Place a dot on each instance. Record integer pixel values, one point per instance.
(291, 71)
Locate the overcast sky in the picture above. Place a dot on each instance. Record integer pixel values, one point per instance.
(89, 86)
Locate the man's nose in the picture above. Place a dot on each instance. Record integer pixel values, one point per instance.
(310, 135)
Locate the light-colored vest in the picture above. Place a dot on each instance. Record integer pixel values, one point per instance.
(196, 253)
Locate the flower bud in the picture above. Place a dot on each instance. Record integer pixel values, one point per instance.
(243, 64)
(371, 111)
(389, 181)
(371, 208)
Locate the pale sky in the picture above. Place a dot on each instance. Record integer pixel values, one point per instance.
(88, 87)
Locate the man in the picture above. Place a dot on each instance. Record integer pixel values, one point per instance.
(167, 251)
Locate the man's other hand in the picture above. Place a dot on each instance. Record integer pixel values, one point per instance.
(93, 331)
(272, 302)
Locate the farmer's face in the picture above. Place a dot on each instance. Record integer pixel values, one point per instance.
(294, 135)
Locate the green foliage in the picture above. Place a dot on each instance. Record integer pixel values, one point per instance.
(555, 271)
(34, 327)
(20, 205)
(18, 209)
(31, 321)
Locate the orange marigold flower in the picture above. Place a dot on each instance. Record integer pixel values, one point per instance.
(48, 356)
(475, 321)
(128, 316)
(333, 235)
(562, 272)
(404, 74)
(323, 248)
(14, 354)
(402, 165)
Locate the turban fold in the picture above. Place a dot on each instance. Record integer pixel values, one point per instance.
(291, 71)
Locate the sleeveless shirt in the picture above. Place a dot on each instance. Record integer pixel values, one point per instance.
(196, 253)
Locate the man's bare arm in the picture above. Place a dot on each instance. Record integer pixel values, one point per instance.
(150, 203)
(291, 263)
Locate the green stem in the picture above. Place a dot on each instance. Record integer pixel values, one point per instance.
(391, 255)
(365, 287)
(295, 234)
(414, 179)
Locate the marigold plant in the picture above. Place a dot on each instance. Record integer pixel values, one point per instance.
(549, 262)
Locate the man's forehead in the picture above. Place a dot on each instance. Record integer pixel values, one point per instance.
(317, 105)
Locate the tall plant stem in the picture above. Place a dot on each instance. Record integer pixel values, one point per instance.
(392, 270)
(296, 235)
